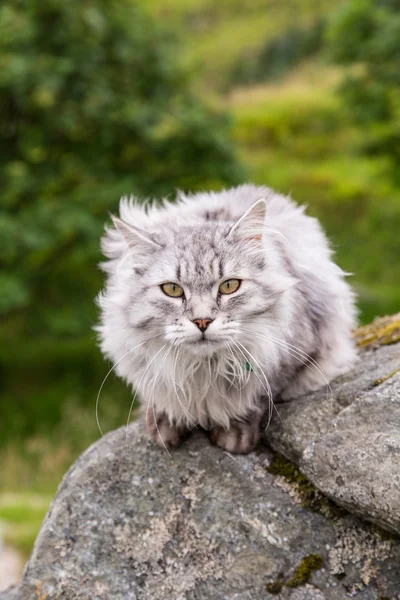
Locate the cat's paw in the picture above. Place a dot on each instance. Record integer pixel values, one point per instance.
(162, 432)
(240, 438)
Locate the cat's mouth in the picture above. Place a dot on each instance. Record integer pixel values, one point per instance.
(204, 339)
(204, 346)
(206, 342)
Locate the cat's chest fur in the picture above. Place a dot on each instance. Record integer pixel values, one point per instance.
(205, 393)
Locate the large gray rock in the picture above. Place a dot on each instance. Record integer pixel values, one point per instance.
(131, 522)
(347, 439)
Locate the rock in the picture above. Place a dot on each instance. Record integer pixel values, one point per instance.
(346, 439)
(298, 423)
(356, 460)
(131, 522)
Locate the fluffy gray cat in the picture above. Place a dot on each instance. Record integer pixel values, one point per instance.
(217, 304)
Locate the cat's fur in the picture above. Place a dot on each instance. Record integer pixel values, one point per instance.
(286, 331)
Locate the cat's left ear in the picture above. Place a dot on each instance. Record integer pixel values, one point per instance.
(133, 235)
(250, 226)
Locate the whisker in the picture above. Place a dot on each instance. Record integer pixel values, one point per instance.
(153, 397)
(136, 389)
(105, 379)
(269, 391)
(292, 346)
(176, 391)
(238, 370)
(297, 353)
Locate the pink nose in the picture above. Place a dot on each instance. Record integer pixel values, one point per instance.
(202, 324)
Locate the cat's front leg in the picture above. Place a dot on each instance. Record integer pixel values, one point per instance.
(162, 432)
(241, 437)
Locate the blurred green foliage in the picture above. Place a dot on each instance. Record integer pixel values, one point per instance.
(225, 37)
(94, 104)
(313, 153)
(279, 55)
(367, 32)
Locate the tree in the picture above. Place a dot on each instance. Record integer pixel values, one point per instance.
(367, 33)
(93, 105)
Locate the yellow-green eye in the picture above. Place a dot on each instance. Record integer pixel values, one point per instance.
(172, 289)
(229, 286)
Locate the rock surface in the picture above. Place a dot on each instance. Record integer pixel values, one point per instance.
(131, 522)
(347, 439)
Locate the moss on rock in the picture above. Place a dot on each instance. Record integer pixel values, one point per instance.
(381, 332)
(275, 587)
(311, 498)
(301, 576)
(383, 379)
(303, 573)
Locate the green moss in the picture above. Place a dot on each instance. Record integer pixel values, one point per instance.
(301, 576)
(311, 498)
(275, 587)
(381, 332)
(383, 379)
(303, 573)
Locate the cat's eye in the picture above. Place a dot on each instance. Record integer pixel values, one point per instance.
(229, 286)
(172, 289)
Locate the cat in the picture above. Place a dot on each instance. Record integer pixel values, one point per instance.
(217, 304)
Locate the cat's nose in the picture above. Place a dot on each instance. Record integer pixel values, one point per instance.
(202, 324)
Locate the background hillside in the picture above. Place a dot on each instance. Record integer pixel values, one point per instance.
(121, 97)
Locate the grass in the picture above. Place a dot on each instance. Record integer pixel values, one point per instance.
(21, 515)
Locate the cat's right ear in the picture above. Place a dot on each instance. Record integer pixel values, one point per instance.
(250, 226)
(133, 235)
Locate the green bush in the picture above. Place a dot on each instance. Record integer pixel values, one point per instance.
(366, 33)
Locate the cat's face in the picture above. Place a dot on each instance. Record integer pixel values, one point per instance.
(199, 289)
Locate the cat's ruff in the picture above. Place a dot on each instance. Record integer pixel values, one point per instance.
(285, 330)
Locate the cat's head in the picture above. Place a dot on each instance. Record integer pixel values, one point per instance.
(196, 287)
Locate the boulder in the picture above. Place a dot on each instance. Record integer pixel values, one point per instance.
(346, 438)
(132, 522)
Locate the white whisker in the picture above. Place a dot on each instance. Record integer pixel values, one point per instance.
(136, 390)
(268, 390)
(105, 379)
(152, 396)
(295, 352)
(191, 420)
